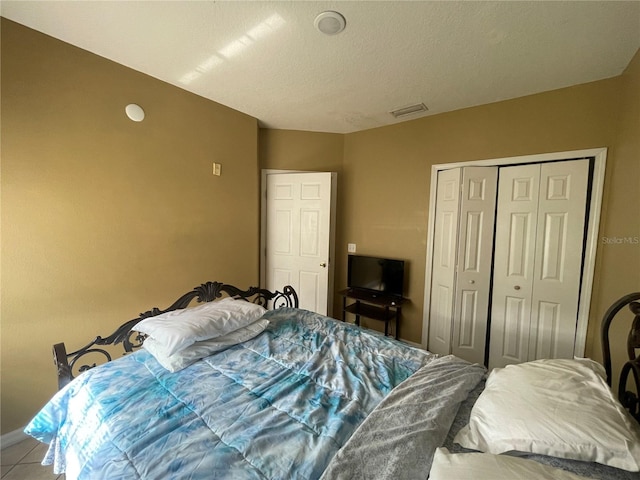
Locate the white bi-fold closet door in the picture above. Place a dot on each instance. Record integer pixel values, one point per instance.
(462, 253)
(506, 266)
(537, 262)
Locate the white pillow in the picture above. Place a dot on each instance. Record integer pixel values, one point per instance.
(562, 408)
(480, 466)
(178, 329)
(204, 348)
(593, 365)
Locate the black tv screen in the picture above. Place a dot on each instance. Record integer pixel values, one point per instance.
(376, 275)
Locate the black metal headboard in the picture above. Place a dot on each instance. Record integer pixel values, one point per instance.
(67, 363)
(628, 398)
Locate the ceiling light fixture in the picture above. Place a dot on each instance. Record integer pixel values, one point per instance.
(330, 23)
(410, 110)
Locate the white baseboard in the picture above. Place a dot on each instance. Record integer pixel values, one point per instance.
(12, 438)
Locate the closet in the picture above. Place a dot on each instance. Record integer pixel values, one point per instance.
(507, 258)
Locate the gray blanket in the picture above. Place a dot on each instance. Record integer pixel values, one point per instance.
(398, 439)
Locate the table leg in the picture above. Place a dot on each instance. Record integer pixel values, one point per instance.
(344, 309)
(386, 321)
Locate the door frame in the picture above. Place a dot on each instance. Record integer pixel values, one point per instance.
(592, 225)
(332, 226)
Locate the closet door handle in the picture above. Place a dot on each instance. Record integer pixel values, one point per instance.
(517, 287)
(472, 282)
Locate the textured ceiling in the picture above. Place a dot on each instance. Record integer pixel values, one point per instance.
(267, 60)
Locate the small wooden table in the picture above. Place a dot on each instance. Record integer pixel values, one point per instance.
(373, 305)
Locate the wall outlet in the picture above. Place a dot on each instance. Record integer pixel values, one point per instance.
(351, 247)
(216, 169)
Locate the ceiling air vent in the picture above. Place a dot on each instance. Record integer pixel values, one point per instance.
(410, 110)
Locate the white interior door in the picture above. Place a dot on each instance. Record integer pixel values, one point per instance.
(538, 256)
(299, 236)
(444, 260)
(475, 254)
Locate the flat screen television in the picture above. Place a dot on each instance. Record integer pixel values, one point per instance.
(375, 275)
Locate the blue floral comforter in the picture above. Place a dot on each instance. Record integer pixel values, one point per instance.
(277, 406)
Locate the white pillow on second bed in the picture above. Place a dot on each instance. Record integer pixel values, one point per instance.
(485, 466)
(561, 408)
(178, 329)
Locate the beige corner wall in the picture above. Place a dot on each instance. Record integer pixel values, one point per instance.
(103, 218)
(299, 150)
(618, 260)
(385, 177)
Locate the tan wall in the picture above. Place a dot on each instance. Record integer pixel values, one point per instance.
(103, 218)
(618, 257)
(299, 150)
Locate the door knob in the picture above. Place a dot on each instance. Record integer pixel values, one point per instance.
(472, 282)
(323, 265)
(517, 287)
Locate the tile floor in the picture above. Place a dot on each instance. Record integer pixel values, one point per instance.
(22, 462)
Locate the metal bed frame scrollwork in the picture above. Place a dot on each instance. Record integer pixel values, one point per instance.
(629, 399)
(66, 363)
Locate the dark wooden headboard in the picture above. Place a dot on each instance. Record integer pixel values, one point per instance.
(628, 398)
(68, 363)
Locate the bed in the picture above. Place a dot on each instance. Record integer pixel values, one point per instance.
(263, 389)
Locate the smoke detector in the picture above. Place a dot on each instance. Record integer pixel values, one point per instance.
(330, 22)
